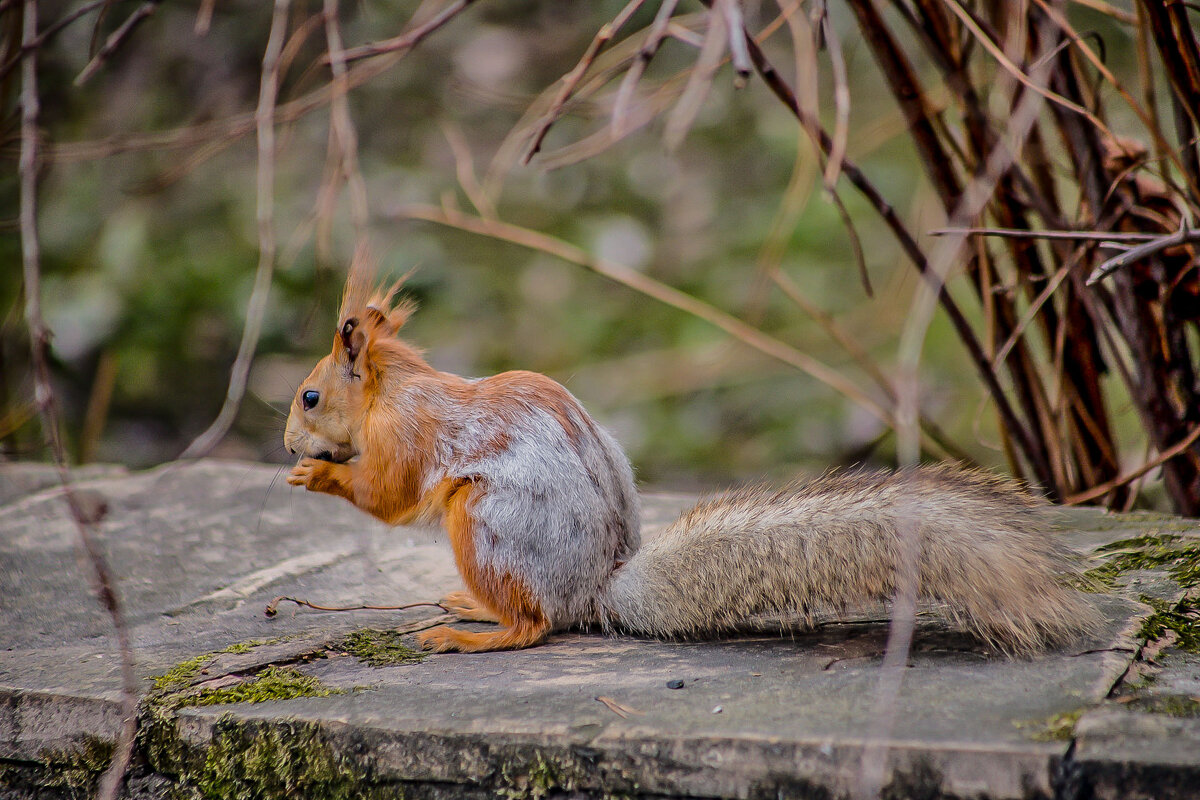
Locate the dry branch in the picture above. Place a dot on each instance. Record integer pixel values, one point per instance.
(86, 509)
(256, 308)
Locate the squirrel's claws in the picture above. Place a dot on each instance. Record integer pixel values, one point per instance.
(302, 473)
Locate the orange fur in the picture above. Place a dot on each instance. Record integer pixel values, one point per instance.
(503, 594)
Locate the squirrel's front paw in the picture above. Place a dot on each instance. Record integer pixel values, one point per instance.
(303, 473)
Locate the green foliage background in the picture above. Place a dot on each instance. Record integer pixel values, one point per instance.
(149, 254)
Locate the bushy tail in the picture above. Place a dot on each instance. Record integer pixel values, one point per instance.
(985, 552)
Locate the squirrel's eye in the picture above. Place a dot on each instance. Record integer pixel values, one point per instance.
(309, 399)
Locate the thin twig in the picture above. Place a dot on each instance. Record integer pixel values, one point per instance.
(654, 37)
(204, 17)
(572, 78)
(1163, 457)
(85, 511)
(116, 39)
(342, 126)
(1184, 235)
(409, 39)
(908, 243)
(699, 83)
(841, 127)
(1022, 233)
(1003, 60)
(739, 53)
(659, 291)
(273, 607)
(256, 308)
(50, 32)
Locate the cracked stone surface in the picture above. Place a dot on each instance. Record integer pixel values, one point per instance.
(200, 549)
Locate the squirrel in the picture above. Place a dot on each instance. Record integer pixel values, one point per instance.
(541, 511)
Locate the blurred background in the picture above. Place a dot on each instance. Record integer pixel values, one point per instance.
(149, 242)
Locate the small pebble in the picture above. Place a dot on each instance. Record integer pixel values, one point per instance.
(717, 709)
(675, 684)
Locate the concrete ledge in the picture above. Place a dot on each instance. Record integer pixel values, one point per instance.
(201, 548)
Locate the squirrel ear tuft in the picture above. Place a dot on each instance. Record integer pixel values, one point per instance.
(353, 338)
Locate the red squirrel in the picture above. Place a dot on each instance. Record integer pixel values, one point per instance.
(540, 507)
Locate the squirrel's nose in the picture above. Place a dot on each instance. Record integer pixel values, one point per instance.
(292, 450)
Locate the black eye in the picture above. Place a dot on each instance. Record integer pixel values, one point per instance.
(310, 399)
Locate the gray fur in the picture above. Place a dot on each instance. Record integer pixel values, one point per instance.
(985, 552)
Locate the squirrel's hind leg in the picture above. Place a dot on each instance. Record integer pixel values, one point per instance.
(464, 606)
(525, 633)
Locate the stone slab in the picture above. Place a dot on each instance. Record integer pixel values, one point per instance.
(200, 549)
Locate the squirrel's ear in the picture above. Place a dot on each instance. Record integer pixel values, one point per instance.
(353, 338)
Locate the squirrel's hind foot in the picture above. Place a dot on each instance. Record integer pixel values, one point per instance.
(444, 639)
(465, 606)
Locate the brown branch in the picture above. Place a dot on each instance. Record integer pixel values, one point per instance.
(1163, 457)
(1025, 442)
(86, 509)
(646, 285)
(204, 17)
(342, 126)
(1022, 233)
(273, 607)
(739, 54)
(1184, 235)
(256, 308)
(699, 83)
(49, 33)
(116, 39)
(572, 78)
(409, 39)
(654, 38)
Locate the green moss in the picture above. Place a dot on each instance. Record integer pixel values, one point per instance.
(78, 770)
(273, 683)
(246, 647)
(184, 673)
(1182, 617)
(246, 762)
(533, 780)
(379, 648)
(1056, 728)
(1173, 705)
(1180, 555)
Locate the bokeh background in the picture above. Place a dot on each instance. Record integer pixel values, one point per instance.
(149, 243)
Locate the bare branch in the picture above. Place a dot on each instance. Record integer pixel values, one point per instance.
(648, 286)
(409, 39)
(256, 309)
(116, 39)
(1162, 458)
(658, 30)
(572, 78)
(1184, 235)
(86, 510)
(739, 53)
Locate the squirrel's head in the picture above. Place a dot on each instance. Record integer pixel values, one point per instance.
(329, 407)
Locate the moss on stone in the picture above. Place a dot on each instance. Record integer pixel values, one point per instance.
(1182, 618)
(273, 683)
(534, 779)
(1172, 704)
(77, 770)
(1055, 728)
(1180, 555)
(379, 648)
(246, 761)
(184, 673)
(246, 647)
